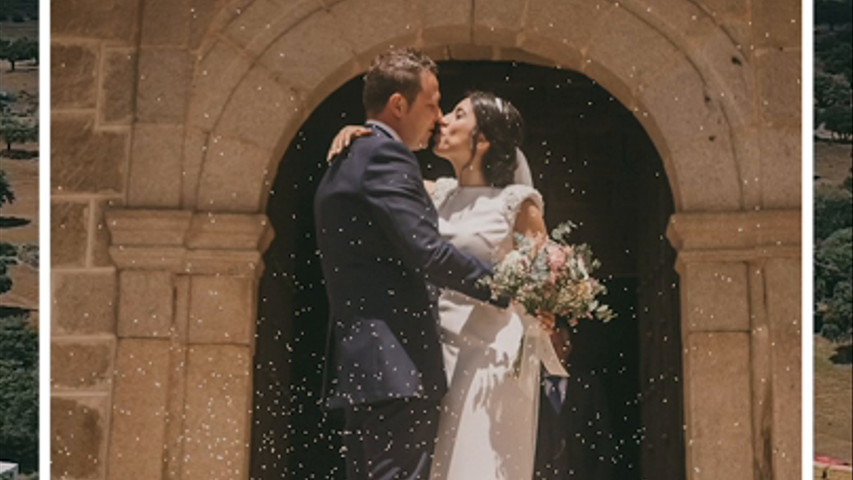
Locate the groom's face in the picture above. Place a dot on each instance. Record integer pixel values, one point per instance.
(422, 114)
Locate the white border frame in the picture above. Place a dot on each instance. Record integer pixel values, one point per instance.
(807, 119)
(44, 239)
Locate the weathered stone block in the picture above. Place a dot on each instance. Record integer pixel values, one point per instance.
(155, 166)
(706, 173)
(211, 15)
(725, 9)
(101, 236)
(81, 364)
(471, 52)
(364, 18)
(681, 106)
(561, 30)
(147, 228)
(140, 397)
(214, 80)
(309, 53)
(85, 160)
(69, 230)
(119, 86)
(233, 176)
(78, 436)
(195, 148)
(146, 304)
(73, 75)
(165, 22)
(218, 409)
(728, 72)
(83, 303)
(222, 309)
(262, 21)
(614, 50)
(444, 21)
(778, 74)
(260, 110)
(718, 405)
(229, 232)
(716, 297)
(163, 85)
(776, 23)
(783, 293)
(497, 23)
(781, 164)
(113, 20)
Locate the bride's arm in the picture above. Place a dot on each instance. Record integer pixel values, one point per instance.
(530, 222)
(429, 186)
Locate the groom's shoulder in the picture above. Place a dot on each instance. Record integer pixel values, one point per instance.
(377, 145)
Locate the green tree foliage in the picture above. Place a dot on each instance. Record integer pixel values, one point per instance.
(6, 194)
(18, 50)
(833, 12)
(833, 58)
(833, 267)
(8, 256)
(8, 253)
(19, 391)
(15, 130)
(832, 211)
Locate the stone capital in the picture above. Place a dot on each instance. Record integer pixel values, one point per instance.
(734, 236)
(186, 242)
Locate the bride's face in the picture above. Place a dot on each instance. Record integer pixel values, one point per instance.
(453, 140)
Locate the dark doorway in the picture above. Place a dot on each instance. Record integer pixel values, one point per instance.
(595, 165)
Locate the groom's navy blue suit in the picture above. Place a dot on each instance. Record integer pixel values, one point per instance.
(377, 230)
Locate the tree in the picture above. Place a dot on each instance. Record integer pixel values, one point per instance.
(833, 270)
(14, 130)
(18, 50)
(8, 253)
(6, 194)
(19, 391)
(832, 211)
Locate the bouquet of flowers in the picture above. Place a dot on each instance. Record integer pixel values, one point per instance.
(554, 277)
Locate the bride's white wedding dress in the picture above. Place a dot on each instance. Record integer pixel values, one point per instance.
(487, 428)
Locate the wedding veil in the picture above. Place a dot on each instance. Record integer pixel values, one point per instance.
(522, 170)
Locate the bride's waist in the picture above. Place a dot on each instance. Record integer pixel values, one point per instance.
(475, 324)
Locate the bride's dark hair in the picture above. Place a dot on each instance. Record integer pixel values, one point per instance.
(501, 124)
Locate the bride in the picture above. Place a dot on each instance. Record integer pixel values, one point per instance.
(487, 426)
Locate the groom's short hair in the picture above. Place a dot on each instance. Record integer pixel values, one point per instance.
(394, 71)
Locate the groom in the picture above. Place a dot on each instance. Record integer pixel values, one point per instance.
(381, 253)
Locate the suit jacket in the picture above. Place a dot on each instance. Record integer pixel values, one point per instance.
(377, 231)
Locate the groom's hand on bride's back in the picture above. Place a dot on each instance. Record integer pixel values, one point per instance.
(343, 139)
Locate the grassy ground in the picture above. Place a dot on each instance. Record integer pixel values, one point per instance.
(833, 404)
(831, 474)
(832, 163)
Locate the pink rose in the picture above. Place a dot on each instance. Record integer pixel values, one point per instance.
(556, 258)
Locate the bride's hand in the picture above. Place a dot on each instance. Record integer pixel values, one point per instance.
(548, 321)
(343, 139)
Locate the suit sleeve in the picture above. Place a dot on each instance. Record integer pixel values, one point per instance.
(394, 189)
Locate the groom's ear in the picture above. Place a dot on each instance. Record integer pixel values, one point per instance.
(398, 104)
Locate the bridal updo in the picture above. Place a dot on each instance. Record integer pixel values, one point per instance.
(502, 126)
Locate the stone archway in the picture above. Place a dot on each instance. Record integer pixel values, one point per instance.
(205, 165)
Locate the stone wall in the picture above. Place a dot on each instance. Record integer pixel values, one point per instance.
(169, 119)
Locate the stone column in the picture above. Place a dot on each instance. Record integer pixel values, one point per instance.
(740, 297)
(186, 315)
